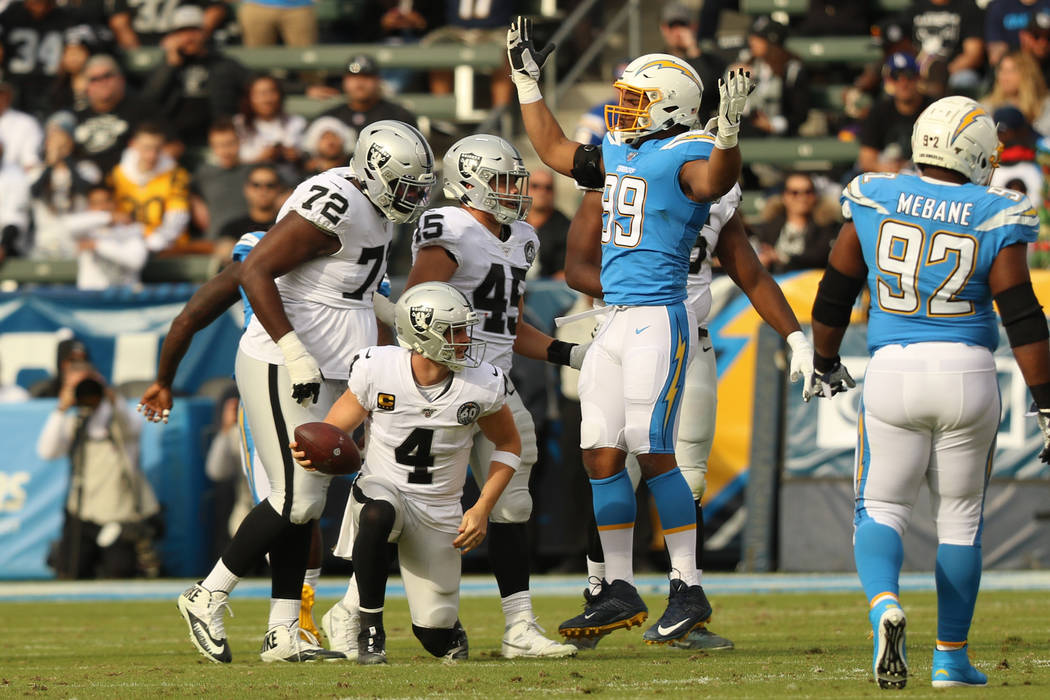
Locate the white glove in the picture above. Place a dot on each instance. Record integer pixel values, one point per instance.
(827, 384)
(577, 353)
(384, 309)
(1043, 416)
(733, 91)
(302, 369)
(801, 356)
(525, 61)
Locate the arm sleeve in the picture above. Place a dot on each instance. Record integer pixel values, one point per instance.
(359, 383)
(57, 436)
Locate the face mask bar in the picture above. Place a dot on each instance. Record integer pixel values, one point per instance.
(510, 194)
(473, 351)
(633, 116)
(410, 196)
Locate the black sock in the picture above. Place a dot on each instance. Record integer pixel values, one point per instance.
(372, 554)
(509, 556)
(594, 543)
(288, 557)
(371, 619)
(259, 529)
(699, 535)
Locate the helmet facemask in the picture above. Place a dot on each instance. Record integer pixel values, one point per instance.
(631, 117)
(409, 197)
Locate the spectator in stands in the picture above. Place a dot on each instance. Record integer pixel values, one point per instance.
(1003, 24)
(223, 463)
(195, 85)
(149, 22)
(12, 393)
(33, 36)
(69, 353)
(151, 187)
(111, 247)
(264, 21)
(328, 142)
(678, 26)
(892, 36)
(265, 193)
(836, 18)
(267, 133)
(885, 137)
(469, 23)
(405, 22)
(551, 225)
(20, 134)
(216, 192)
(104, 126)
(111, 509)
(1035, 39)
(591, 127)
(14, 209)
(780, 103)
(364, 97)
(1017, 159)
(795, 233)
(950, 37)
(106, 23)
(61, 188)
(1019, 82)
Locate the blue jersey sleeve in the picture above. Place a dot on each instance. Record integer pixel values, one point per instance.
(245, 245)
(1008, 218)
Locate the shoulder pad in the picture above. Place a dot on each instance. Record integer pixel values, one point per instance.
(858, 190)
(695, 137)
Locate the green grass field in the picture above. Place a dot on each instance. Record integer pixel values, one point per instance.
(788, 645)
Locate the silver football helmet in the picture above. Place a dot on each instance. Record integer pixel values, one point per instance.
(657, 91)
(487, 173)
(427, 317)
(956, 133)
(396, 166)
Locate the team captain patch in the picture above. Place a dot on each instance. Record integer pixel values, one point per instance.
(385, 402)
(468, 413)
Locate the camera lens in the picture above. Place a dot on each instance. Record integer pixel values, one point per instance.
(87, 392)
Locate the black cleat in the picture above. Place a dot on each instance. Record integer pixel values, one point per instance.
(371, 645)
(616, 605)
(702, 638)
(459, 648)
(687, 608)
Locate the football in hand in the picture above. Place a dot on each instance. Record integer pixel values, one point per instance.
(330, 450)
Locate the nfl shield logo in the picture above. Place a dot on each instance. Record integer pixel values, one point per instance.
(421, 317)
(428, 412)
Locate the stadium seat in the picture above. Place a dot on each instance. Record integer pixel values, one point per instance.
(834, 49)
(424, 104)
(29, 376)
(798, 7)
(789, 151)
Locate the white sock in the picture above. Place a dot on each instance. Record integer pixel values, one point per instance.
(220, 578)
(284, 612)
(312, 576)
(516, 606)
(618, 546)
(595, 570)
(699, 576)
(351, 599)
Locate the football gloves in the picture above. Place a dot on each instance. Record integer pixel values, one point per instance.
(577, 353)
(526, 62)
(801, 356)
(826, 384)
(302, 369)
(1043, 416)
(733, 91)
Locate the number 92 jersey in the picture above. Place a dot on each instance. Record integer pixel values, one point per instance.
(929, 247)
(490, 272)
(422, 445)
(648, 224)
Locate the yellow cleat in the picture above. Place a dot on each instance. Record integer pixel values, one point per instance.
(307, 627)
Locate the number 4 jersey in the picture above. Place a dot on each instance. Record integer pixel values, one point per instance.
(491, 271)
(422, 442)
(929, 247)
(329, 299)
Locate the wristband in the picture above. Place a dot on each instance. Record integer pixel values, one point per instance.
(1041, 395)
(725, 141)
(291, 347)
(824, 364)
(509, 458)
(528, 89)
(559, 352)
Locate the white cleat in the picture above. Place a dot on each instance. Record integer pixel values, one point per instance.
(524, 639)
(891, 666)
(203, 611)
(283, 643)
(342, 626)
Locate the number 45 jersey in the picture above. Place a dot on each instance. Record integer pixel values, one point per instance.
(329, 299)
(491, 271)
(421, 442)
(929, 247)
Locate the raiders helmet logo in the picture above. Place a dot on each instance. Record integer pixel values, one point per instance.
(377, 156)
(468, 413)
(421, 317)
(468, 163)
(530, 252)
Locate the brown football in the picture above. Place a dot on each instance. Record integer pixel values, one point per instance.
(330, 449)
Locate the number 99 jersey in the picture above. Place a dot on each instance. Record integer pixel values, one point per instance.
(648, 224)
(420, 444)
(929, 247)
(490, 271)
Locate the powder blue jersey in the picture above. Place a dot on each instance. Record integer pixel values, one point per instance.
(240, 251)
(648, 224)
(929, 247)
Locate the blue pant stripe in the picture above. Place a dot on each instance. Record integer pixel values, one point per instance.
(665, 411)
(864, 463)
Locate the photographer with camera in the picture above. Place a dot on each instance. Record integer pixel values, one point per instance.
(112, 513)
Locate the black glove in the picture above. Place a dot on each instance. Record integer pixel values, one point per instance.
(525, 61)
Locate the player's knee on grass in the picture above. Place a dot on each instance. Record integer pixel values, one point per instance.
(438, 641)
(512, 507)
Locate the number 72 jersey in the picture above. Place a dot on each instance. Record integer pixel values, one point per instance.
(929, 247)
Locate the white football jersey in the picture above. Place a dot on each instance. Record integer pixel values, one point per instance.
(329, 299)
(420, 445)
(698, 285)
(491, 271)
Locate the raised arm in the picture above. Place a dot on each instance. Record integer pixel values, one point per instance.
(213, 298)
(707, 180)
